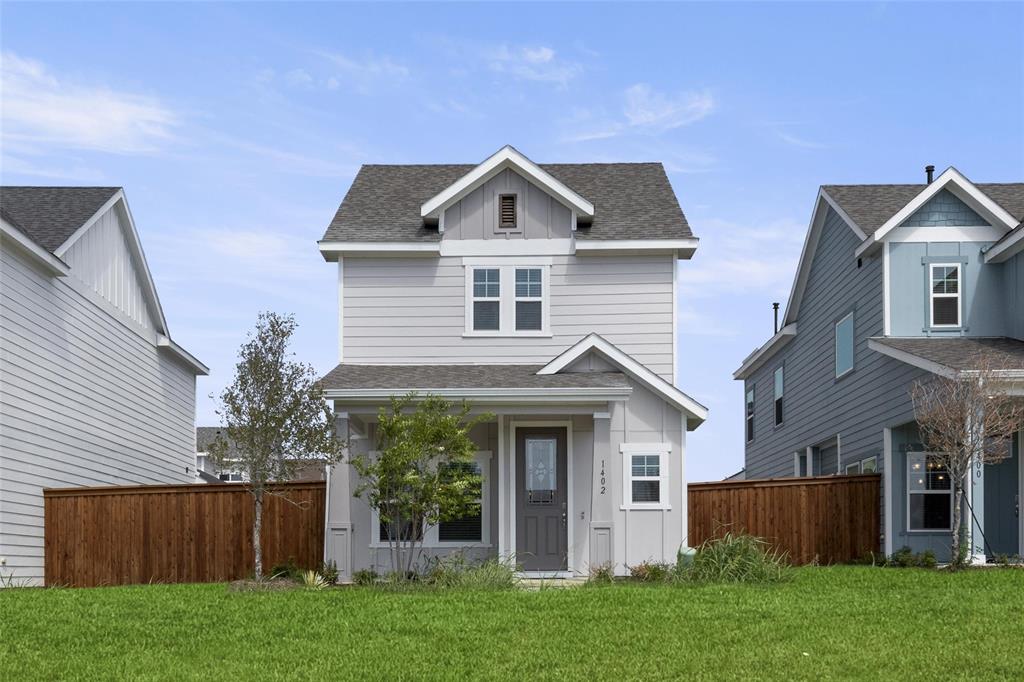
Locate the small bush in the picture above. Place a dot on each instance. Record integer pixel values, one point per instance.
(602, 573)
(454, 571)
(650, 572)
(735, 558)
(286, 570)
(311, 580)
(365, 577)
(329, 570)
(905, 558)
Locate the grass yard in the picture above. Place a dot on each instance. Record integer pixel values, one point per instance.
(827, 622)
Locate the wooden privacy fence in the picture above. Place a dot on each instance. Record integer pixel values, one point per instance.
(176, 533)
(828, 519)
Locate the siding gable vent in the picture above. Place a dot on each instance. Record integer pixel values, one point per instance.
(507, 210)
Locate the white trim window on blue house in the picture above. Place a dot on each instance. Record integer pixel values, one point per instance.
(944, 306)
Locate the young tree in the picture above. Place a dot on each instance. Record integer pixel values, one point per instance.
(966, 420)
(275, 417)
(422, 474)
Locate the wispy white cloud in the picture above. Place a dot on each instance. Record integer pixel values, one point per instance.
(646, 111)
(797, 141)
(532, 63)
(40, 109)
(298, 78)
(362, 74)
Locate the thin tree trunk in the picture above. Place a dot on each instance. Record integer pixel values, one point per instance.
(958, 493)
(257, 544)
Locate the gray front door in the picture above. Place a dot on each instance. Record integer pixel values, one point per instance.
(1002, 504)
(541, 503)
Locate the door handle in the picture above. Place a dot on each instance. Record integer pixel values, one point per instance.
(565, 514)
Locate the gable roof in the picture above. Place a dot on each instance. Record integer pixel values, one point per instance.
(871, 206)
(631, 201)
(50, 215)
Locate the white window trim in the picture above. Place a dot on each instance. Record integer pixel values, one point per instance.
(853, 343)
(932, 295)
(472, 298)
(874, 464)
(906, 488)
(663, 451)
(431, 533)
(850, 466)
(778, 395)
(507, 304)
(750, 418)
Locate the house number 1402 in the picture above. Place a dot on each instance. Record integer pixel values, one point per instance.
(603, 481)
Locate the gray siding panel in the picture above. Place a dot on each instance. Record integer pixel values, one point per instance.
(87, 399)
(412, 311)
(538, 215)
(817, 405)
(1013, 274)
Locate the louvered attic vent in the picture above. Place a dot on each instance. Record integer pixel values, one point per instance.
(507, 210)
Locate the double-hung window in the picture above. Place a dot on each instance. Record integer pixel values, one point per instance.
(486, 299)
(778, 396)
(929, 493)
(645, 475)
(468, 528)
(844, 345)
(944, 294)
(750, 414)
(507, 300)
(529, 299)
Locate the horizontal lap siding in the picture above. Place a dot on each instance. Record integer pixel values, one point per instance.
(816, 406)
(413, 311)
(826, 520)
(86, 400)
(190, 533)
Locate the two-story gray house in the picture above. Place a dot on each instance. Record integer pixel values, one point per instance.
(895, 283)
(544, 294)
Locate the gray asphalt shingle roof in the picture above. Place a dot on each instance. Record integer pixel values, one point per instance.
(962, 353)
(870, 206)
(631, 201)
(424, 377)
(49, 215)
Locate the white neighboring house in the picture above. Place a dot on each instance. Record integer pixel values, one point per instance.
(93, 391)
(546, 295)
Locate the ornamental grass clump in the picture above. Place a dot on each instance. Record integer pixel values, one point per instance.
(734, 558)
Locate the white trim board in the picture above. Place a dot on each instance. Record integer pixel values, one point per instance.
(760, 356)
(681, 248)
(593, 342)
(53, 265)
(1011, 245)
(506, 157)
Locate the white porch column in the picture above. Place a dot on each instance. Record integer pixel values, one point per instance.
(338, 513)
(976, 498)
(602, 547)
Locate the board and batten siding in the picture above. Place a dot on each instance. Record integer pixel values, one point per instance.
(1013, 276)
(817, 406)
(87, 400)
(101, 259)
(413, 311)
(538, 215)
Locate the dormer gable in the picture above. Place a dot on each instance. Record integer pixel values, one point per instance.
(945, 209)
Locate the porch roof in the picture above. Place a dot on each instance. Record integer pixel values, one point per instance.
(397, 379)
(954, 355)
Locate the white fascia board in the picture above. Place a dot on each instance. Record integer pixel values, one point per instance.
(955, 182)
(594, 342)
(50, 263)
(77, 234)
(760, 356)
(507, 247)
(506, 157)
(166, 343)
(913, 360)
(489, 395)
(1004, 250)
(332, 249)
(684, 248)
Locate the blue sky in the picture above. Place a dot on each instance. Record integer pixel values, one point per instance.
(236, 130)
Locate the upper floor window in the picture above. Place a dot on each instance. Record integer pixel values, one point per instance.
(750, 414)
(945, 295)
(507, 210)
(486, 299)
(778, 396)
(844, 345)
(507, 300)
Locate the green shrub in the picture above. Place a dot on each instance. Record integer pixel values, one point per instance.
(329, 570)
(926, 559)
(734, 558)
(650, 572)
(365, 577)
(602, 573)
(904, 557)
(453, 571)
(286, 570)
(311, 580)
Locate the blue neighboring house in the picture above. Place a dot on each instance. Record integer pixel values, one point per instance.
(895, 283)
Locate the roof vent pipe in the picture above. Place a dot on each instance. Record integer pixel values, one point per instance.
(775, 309)
(929, 171)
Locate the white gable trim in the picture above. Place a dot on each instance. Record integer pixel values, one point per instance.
(506, 157)
(803, 268)
(765, 352)
(683, 248)
(962, 188)
(1004, 250)
(198, 367)
(134, 246)
(40, 256)
(649, 379)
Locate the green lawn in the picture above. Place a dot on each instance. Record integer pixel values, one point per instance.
(828, 622)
